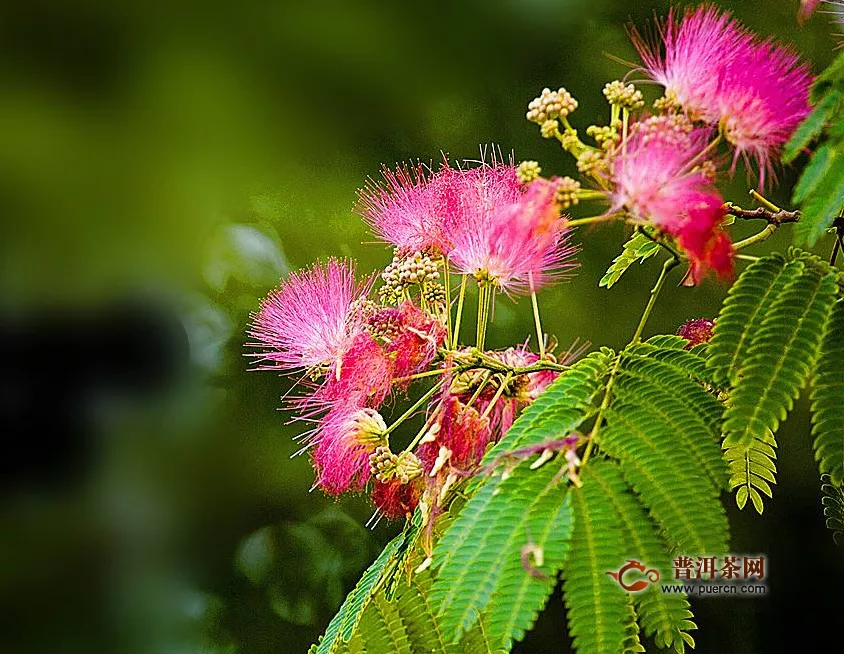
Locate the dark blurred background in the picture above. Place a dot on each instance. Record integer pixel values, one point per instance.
(161, 168)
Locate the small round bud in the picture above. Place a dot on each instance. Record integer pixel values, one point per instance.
(569, 139)
(625, 96)
(549, 129)
(589, 161)
(528, 171)
(567, 190)
(550, 105)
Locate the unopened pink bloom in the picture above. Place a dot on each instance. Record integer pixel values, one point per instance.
(516, 246)
(308, 321)
(696, 331)
(345, 438)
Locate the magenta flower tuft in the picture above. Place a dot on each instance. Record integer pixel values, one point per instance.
(309, 321)
(691, 56)
(342, 445)
(763, 97)
(756, 91)
(516, 246)
(660, 179)
(410, 209)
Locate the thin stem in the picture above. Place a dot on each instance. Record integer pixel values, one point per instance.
(483, 314)
(761, 199)
(421, 375)
(764, 235)
(591, 219)
(660, 282)
(746, 257)
(459, 316)
(702, 154)
(421, 433)
(407, 414)
(479, 389)
(498, 394)
(540, 337)
(447, 288)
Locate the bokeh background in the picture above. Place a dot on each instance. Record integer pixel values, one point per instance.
(161, 168)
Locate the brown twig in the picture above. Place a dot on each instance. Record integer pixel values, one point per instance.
(772, 217)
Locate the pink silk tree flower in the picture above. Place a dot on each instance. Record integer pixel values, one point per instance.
(691, 55)
(342, 444)
(409, 209)
(517, 246)
(763, 97)
(657, 169)
(755, 91)
(659, 180)
(309, 321)
(363, 378)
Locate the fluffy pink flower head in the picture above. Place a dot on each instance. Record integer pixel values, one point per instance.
(343, 442)
(309, 321)
(659, 179)
(756, 91)
(515, 246)
(690, 56)
(763, 97)
(658, 168)
(410, 208)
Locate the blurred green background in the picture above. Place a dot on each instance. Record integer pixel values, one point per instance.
(183, 159)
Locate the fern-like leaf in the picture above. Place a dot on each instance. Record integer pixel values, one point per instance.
(662, 427)
(833, 507)
(664, 616)
(744, 309)
(343, 625)
(598, 609)
(828, 399)
(752, 469)
(812, 127)
(484, 559)
(780, 357)
(637, 248)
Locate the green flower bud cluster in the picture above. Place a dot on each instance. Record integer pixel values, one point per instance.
(625, 96)
(386, 466)
(528, 171)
